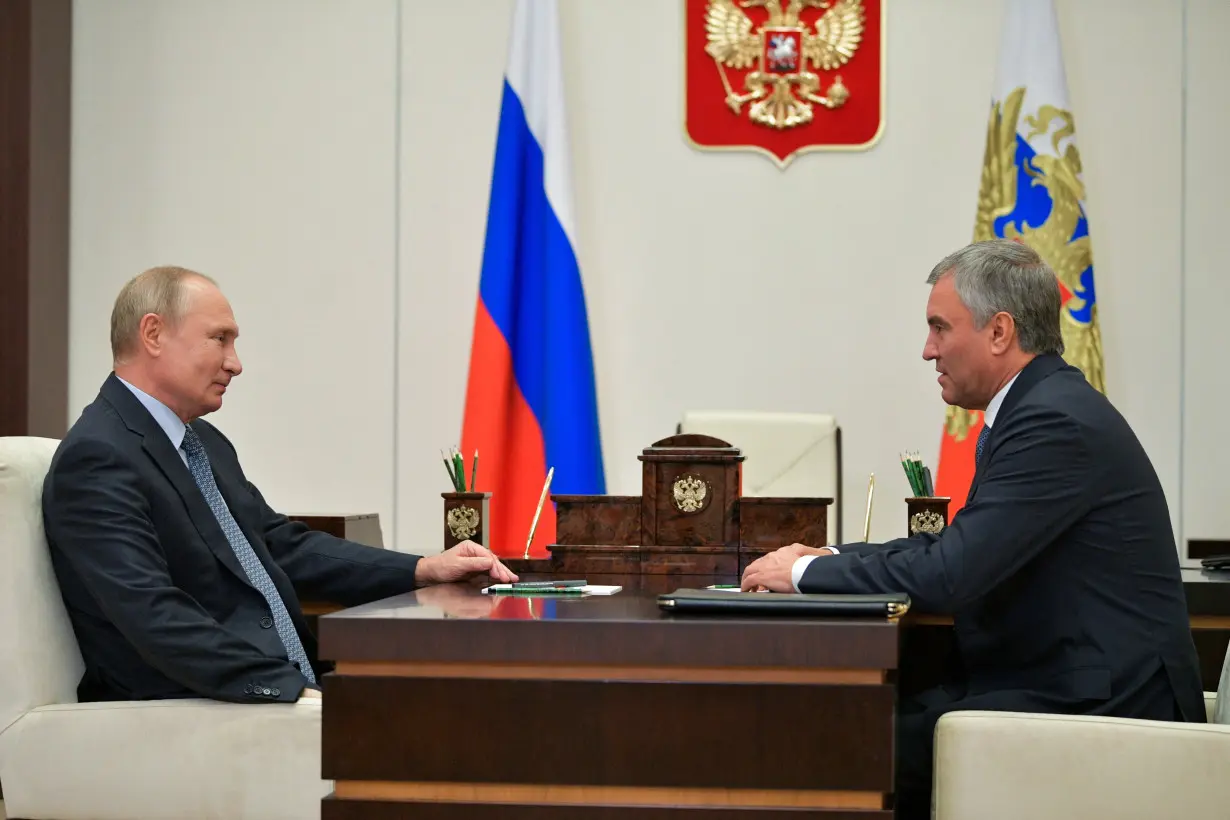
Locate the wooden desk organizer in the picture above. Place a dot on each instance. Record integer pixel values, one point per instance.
(690, 519)
(465, 518)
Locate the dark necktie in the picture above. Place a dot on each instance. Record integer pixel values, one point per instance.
(982, 440)
(198, 465)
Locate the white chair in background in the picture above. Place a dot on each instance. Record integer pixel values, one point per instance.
(787, 454)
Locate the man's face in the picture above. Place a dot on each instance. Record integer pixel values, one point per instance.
(196, 357)
(962, 353)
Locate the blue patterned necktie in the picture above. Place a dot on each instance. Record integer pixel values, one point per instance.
(982, 440)
(198, 464)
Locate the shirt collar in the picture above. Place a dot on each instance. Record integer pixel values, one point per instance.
(162, 414)
(988, 417)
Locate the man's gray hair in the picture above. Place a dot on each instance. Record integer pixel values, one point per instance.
(158, 290)
(1002, 275)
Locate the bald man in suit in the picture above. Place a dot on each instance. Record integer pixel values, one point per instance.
(178, 577)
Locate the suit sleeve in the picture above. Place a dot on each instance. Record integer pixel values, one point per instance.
(99, 518)
(328, 568)
(322, 566)
(1039, 481)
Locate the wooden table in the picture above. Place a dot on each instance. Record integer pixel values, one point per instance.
(449, 704)
(1208, 606)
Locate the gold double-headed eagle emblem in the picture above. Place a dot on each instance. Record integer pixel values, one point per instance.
(462, 522)
(1055, 240)
(690, 493)
(781, 88)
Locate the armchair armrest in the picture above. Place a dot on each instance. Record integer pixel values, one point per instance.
(165, 758)
(1015, 766)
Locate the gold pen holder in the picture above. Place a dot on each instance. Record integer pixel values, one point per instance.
(926, 514)
(465, 518)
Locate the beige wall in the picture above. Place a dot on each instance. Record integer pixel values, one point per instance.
(254, 141)
(1205, 287)
(330, 163)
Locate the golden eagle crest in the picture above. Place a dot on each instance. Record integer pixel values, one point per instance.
(781, 88)
(926, 521)
(462, 522)
(1046, 214)
(690, 493)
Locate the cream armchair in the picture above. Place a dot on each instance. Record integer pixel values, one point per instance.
(1014, 766)
(152, 760)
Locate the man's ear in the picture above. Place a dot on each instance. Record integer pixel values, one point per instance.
(150, 334)
(1003, 332)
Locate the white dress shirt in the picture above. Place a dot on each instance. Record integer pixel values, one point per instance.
(988, 418)
(167, 420)
(165, 417)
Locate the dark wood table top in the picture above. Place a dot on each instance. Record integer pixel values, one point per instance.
(457, 623)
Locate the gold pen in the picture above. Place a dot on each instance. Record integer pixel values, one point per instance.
(871, 490)
(534, 526)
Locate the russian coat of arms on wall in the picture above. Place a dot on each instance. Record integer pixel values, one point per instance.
(783, 77)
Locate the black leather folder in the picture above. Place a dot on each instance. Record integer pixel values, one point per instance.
(1216, 562)
(718, 602)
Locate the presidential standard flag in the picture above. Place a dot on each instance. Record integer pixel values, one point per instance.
(531, 401)
(1031, 190)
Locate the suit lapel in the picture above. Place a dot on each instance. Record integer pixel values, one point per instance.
(159, 448)
(1038, 369)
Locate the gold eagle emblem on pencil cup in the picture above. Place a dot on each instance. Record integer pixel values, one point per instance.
(691, 494)
(926, 521)
(462, 522)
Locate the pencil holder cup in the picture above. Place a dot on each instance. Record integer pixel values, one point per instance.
(926, 514)
(465, 518)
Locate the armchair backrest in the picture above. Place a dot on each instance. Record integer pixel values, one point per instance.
(788, 454)
(42, 664)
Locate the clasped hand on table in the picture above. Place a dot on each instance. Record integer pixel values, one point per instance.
(772, 572)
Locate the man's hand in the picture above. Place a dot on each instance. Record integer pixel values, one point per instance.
(309, 693)
(459, 563)
(772, 572)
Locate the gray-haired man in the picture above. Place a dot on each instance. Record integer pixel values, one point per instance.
(1060, 571)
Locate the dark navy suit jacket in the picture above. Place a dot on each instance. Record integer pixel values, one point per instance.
(1060, 571)
(159, 603)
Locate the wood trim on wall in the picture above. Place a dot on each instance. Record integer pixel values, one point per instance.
(35, 117)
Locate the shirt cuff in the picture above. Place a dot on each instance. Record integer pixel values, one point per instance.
(800, 567)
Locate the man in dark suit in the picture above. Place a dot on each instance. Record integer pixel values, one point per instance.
(179, 579)
(1060, 572)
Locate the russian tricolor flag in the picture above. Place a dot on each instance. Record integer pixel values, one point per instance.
(531, 402)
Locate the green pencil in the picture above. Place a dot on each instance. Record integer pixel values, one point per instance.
(460, 469)
(452, 478)
(909, 474)
(474, 474)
